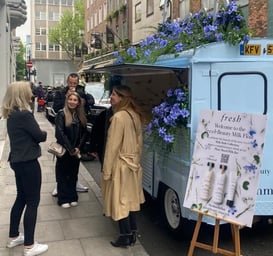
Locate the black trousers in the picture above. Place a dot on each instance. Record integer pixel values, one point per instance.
(66, 170)
(128, 224)
(28, 182)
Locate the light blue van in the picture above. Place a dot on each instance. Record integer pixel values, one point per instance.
(219, 77)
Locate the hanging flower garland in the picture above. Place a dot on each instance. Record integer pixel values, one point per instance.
(168, 117)
(227, 25)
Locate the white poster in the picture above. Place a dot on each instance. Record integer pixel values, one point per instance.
(225, 167)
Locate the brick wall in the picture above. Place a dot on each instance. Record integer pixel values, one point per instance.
(258, 19)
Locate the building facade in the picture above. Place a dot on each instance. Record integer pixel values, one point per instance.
(12, 14)
(134, 20)
(51, 63)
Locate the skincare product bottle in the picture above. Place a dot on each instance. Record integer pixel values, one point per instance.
(231, 189)
(218, 191)
(206, 184)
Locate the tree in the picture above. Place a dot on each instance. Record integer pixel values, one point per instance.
(67, 33)
(20, 63)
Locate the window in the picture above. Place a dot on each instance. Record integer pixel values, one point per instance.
(37, 47)
(40, 31)
(110, 5)
(53, 48)
(53, 16)
(40, 16)
(150, 7)
(124, 29)
(208, 4)
(104, 10)
(242, 2)
(117, 4)
(138, 12)
(43, 47)
(95, 19)
(184, 8)
(40, 1)
(43, 15)
(100, 14)
(40, 46)
(66, 2)
(91, 22)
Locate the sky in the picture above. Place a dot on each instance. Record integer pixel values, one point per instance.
(24, 29)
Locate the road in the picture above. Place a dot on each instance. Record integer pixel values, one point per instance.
(158, 241)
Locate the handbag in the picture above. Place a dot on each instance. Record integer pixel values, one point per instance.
(56, 149)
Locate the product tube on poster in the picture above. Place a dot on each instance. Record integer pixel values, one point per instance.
(206, 185)
(218, 192)
(231, 189)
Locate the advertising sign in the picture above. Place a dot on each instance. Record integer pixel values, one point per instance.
(225, 168)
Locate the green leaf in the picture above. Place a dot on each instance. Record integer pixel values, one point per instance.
(245, 185)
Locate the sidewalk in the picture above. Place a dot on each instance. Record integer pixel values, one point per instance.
(77, 231)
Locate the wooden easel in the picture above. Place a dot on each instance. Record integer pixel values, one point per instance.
(214, 247)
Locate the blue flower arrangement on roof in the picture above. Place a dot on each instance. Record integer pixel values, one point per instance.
(170, 115)
(227, 25)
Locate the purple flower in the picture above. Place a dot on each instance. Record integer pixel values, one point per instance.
(132, 52)
(169, 115)
(147, 53)
(232, 210)
(219, 37)
(250, 168)
(169, 138)
(252, 132)
(254, 143)
(178, 47)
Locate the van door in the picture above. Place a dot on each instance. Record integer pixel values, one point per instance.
(248, 87)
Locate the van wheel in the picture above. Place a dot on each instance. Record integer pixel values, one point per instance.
(172, 210)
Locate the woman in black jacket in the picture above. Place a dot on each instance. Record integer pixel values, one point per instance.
(70, 132)
(25, 136)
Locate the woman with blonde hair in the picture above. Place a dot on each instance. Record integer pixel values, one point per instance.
(24, 135)
(121, 171)
(70, 132)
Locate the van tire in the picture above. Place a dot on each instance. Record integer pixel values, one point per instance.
(171, 209)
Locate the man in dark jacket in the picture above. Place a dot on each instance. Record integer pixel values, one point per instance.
(58, 103)
(72, 85)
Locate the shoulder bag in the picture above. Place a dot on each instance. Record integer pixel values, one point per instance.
(56, 149)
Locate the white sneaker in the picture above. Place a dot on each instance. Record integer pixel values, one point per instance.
(17, 241)
(54, 192)
(36, 249)
(66, 205)
(81, 188)
(74, 204)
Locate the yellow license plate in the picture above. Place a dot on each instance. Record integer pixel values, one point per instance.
(269, 49)
(252, 49)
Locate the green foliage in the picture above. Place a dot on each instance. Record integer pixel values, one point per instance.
(20, 63)
(67, 32)
(122, 8)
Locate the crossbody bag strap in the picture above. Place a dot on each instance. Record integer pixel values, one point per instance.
(132, 120)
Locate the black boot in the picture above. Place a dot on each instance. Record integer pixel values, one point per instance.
(122, 241)
(133, 238)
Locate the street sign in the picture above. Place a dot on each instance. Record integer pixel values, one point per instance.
(29, 64)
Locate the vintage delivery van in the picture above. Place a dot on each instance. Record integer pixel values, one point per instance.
(218, 77)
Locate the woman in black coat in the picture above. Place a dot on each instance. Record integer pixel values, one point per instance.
(70, 133)
(25, 136)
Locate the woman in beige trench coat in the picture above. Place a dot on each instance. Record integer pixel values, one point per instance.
(122, 172)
